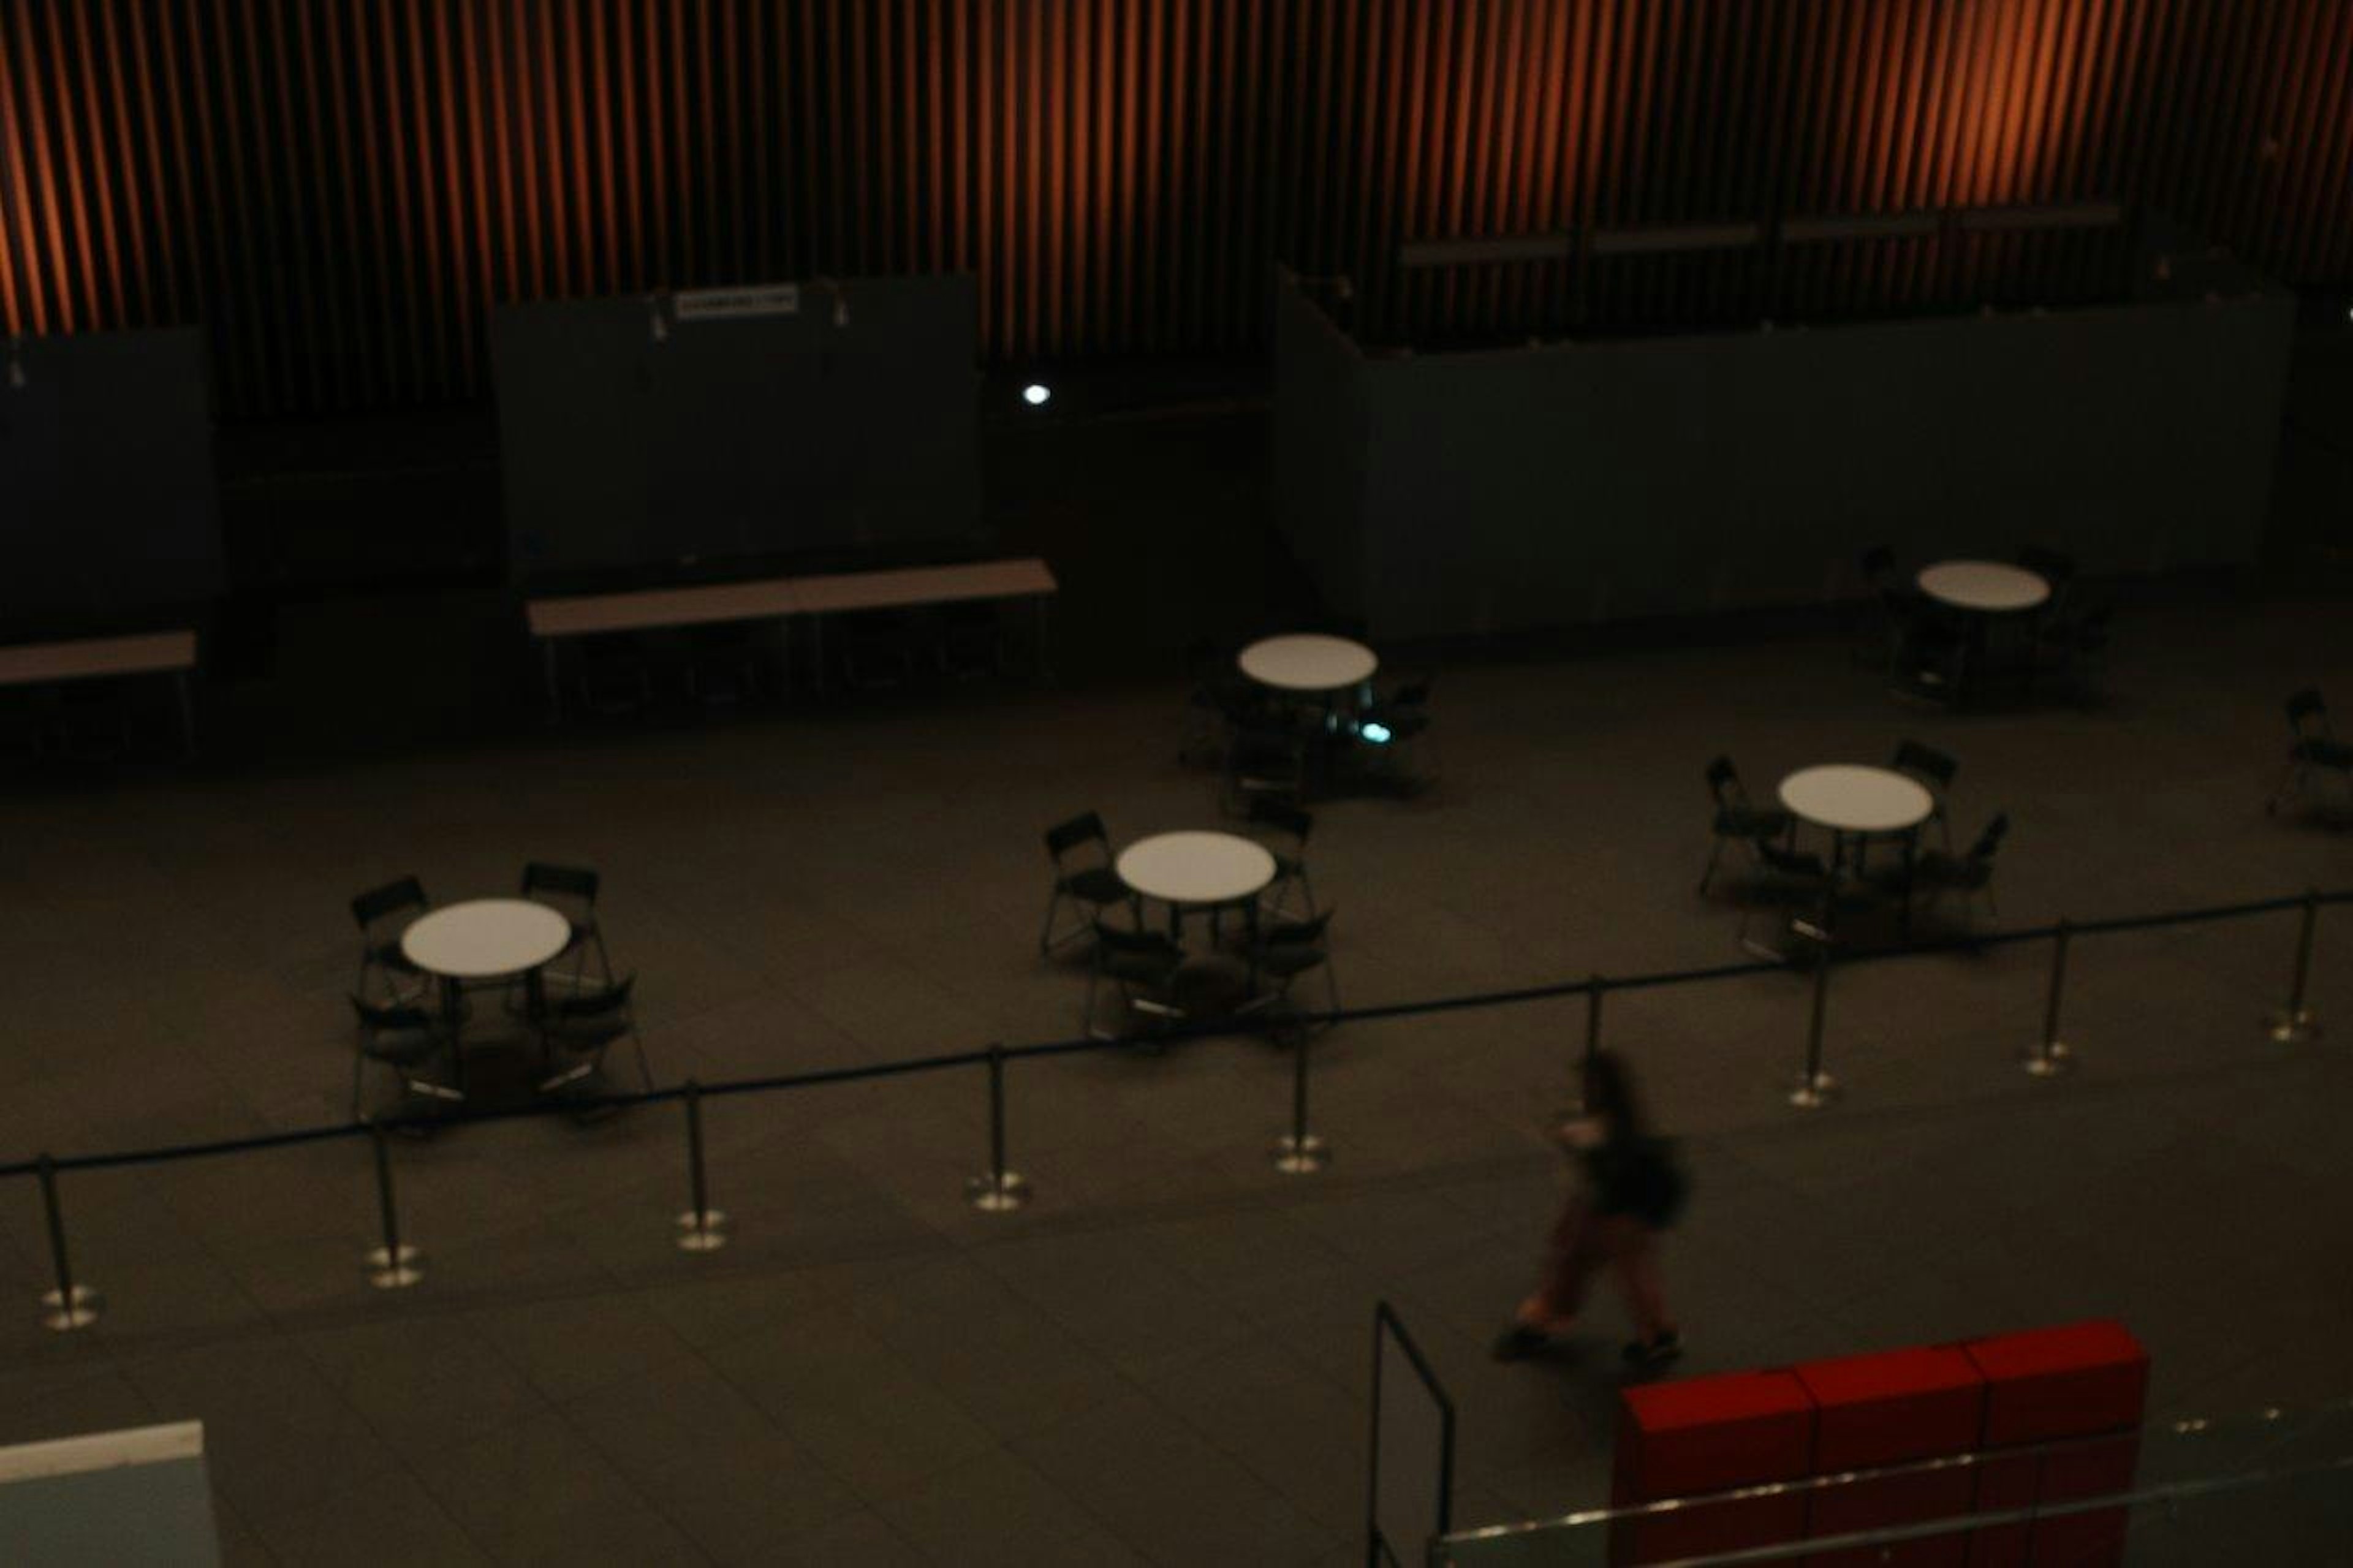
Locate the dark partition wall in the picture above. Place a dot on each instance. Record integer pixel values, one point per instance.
(107, 509)
(1568, 484)
(636, 439)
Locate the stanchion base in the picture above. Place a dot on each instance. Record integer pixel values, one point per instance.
(1814, 1092)
(999, 1191)
(2288, 1027)
(2053, 1060)
(1300, 1153)
(79, 1314)
(393, 1271)
(705, 1232)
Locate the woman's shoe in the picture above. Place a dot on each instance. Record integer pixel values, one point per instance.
(1651, 1355)
(1519, 1341)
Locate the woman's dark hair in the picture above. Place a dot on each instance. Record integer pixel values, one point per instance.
(1609, 1094)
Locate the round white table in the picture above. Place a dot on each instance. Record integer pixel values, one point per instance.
(1984, 587)
(1196, 869)
(482, 939)
(1308, 662)
(485, 938)
(1848, 798)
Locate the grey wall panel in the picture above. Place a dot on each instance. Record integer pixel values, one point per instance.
(1321, 425)
(762, 437)
(108, 511)
(1598, 482)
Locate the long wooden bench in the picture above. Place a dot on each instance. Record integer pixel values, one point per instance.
(842, 592)
(778, 598)
(172, 653)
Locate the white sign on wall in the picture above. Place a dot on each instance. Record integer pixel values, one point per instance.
(716, 304)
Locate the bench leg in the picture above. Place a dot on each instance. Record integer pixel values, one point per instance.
(188, 713)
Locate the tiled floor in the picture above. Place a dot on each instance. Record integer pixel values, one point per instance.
(1164, 1360)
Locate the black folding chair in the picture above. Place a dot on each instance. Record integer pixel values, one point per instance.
(1289, 949)
(1292, 825)
(403, 1037)
(1933, 770)
(1143, 966)
(2314, 749)
(570, 892)
(1096, 885)
(1937, 873)
(1737, 820)
(382, 914)
(587, 1025)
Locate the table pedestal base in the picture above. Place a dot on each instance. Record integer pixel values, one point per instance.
(393, 1270)
(1301, 1154)
(704, 1231)
(79, 1313)
(999, 1191)
(2052, 1060)
(1814, 1091)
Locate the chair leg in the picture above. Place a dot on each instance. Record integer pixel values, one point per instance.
(1306, 891)
(1046, 932)
(2291, 783)
(1714, 854)
(645, 1068)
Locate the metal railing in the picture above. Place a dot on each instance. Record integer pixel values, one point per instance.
(396, 1263)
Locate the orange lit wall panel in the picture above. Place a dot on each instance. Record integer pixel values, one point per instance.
(339, 187)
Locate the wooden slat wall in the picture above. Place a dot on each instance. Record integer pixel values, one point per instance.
(339, 187)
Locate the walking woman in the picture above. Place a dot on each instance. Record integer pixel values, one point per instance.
(1632, 1188)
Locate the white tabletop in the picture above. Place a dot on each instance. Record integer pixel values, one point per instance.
(1307, 662)
(1195, 868)
(485, 937)
(1849, 798)
(1990, 586)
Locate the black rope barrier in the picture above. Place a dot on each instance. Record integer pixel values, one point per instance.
(1258, 1024)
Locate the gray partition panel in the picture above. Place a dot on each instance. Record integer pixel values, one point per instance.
(849, 424)
(107, 505)
(1573, 483)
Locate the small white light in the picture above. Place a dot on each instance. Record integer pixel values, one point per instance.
(1037, 394)
(1375, 731)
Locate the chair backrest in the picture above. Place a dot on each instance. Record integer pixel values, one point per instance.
(387, 1017)
(564, 881)
(2307, 705)
(1297, 933)
(407, 893)
(2052, 567)
(1087, 827)
(1724, 782)
(1283, 816)
(602, 1002)
(1926, 763)
(1990, 840)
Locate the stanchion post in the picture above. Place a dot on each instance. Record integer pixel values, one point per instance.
(1816, 1089)
(393, 1266)
(2053, 1057)
(997, 1189)
(70, 1306)
(1594, 986)
(1300, 1153)
(2297, 1022)
(700, 1229)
